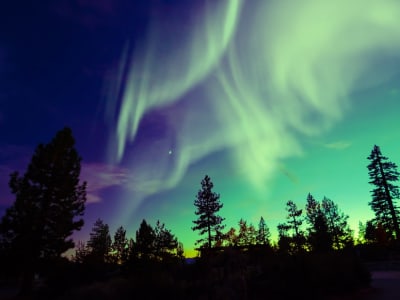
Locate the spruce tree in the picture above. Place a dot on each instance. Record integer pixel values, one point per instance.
(81, 253)
(313, 208)
(338, 226)
(230, 238)
(145, 241)
(180, 252)
(120, 246)
(48, 208)
(247, 234)
(263, 233)
(100, 242)
(319, 236)
(243, 236)
(165, 242)
(284, 240)
(207, 205)
(294, 222)
(370, 232)
(383, 175)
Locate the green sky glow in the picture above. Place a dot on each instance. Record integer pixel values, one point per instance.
(272, 99)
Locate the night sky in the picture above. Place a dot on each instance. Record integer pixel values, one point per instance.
(271, 99)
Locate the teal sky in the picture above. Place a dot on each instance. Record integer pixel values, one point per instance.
(333, 164)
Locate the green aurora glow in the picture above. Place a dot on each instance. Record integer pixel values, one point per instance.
(272, 99)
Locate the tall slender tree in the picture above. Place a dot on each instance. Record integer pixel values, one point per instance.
(49, 205)
(294, 222)
(207, 205)
(180, 252)
(120, 246)
(383, 175)
(313, 208)
(263, 233)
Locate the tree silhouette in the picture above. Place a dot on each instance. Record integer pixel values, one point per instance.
(207, 204)
(383, 174)
(81, 252)
(263, 233)
(120, 246)
(284, 240)
(132, 251)
(313, 209)
(369, 232)
(338, 227)
(99, 242)
(166, 244)
(319, 236)
(180, 251)
(247, 234)
(49, 201)
(230, 238)
(294, 222)
(145, 241)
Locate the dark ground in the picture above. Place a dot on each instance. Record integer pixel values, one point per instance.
(385, 284)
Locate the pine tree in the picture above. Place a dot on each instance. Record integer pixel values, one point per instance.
(180, 251)
(231, 238)
(319, 236)
(49, 204)
(208, 204)
(294, 222)
(263, 233)
(243, 238)
(284, 240)
(338, 227)
(313, 208)
(247, 234)
(132, 251)
(251, 235)
(370, 232)
(165, 242)
(81, 253)
(361, 233)
(145, 241)
(99, 242)
(120, 246)
(383, 174)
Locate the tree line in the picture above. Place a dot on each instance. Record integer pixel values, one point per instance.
(50, 202)
(327, 227)
(151, 243)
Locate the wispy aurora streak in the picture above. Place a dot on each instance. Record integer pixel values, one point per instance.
(250, 78)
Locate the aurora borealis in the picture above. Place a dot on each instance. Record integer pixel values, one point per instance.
(272, 99)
